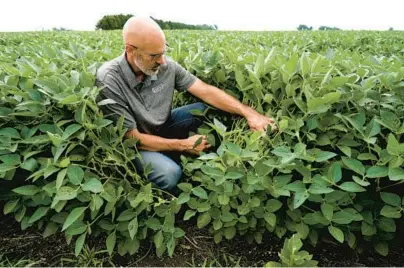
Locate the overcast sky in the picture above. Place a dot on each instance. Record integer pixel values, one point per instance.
(253, 15)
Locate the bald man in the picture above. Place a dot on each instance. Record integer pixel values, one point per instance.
(140, 83)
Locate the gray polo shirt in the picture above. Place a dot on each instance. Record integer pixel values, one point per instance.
(145, 105)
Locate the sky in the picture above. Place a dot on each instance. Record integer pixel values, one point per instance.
(247, 15)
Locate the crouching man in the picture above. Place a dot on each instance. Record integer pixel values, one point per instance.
(140, 85)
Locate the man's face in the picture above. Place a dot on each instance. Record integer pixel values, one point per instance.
(149, 63)
(146, 65)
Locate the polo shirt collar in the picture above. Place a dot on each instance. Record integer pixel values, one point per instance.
(130, 76)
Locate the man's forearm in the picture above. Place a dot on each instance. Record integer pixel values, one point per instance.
(155, 143)
(223, 101)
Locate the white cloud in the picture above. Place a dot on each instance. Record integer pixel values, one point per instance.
(28, 15)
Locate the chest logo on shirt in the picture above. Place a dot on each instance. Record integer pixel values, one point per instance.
(158, 88)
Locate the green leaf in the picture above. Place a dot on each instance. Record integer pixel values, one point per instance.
(367, 156)
(71, 99)
(233, 175)
(303, 229)
(20, 214)
(178, 233)
(111, 240)
(133, 227)
(200, 192)
(296, 186)
(342, 217)
(38, 214)
(185, 187)
(352, 187)
(291, 65)
(270, 218)
(327, 210)
(299, 199)
(27, 190)
(377, 172)
(223, 199)
(390, 120)
(55, 138)
(65, 162)
(386, 224)
(382, 248)
(273, 264)
(227, 216)
(11, 159)
(220, 128)
(93, 185)
(210, 156)
(336, 233)
(73, 216)
(51, 228)
(79, 244)
(171, 246)
(189, 214)
(324, 156)
(335, 173)
(230, 232)
(273, 205)
(354, 165)
(304, 64)
(316, 189)
(126, 215)
(183, 198)
(70, 130)
(391, 212)
(396, 174)
(60, 178)
(197, 142)
(158, 239)
(154, 224)
(66, 193)
(391, 199)
(10, 206)
(351, 239)
(393, 146)
(30, 164)
(346, 150)
(368, 229)
(9, 132)
(362, 182)
(75, 174)
(372, 129)
(203, 220)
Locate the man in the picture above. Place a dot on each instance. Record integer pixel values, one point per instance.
(140, 84)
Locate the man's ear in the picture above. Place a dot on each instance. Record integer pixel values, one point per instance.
(128, 49)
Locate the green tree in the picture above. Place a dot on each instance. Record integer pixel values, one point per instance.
(327, 28)
(112, 22)
(304, 27)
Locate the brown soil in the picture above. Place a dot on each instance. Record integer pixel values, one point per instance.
(197, 249)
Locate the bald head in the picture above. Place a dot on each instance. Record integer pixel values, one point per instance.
(143, 32)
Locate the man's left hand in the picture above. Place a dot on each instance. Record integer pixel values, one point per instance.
(259, 122)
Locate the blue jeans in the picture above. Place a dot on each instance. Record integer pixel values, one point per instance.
(166, 169)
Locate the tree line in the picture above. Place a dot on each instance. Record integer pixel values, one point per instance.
(116, 22)
(303, 27)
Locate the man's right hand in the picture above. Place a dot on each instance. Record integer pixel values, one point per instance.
(196, 150)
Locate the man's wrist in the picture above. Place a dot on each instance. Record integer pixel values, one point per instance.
(246, 111)
(182, 145)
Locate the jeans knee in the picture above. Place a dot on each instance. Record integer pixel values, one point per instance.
(168, 177)
(200, 106)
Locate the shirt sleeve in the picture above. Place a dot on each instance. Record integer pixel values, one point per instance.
(113, 106)
(183, 78)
